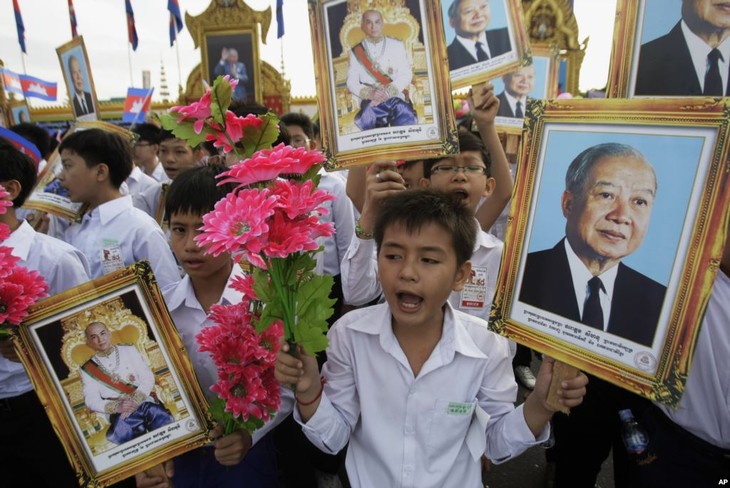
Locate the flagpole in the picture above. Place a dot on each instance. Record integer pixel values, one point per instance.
(179, 71)
(129, 56)
(22, 59)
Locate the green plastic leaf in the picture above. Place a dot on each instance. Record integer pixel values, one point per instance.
(221, 95)
(183, 130)
(314, 307)
(262, 138)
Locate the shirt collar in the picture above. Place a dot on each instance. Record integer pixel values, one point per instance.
(136, 174)
(471, 45)
(183, 293)
(20, 240)
(581, 275)
(699, 49)
(107, 211)
(485, 239)
(513, 101)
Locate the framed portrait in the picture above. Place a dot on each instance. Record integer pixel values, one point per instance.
(536, 80)
(651, 56)
(234, 53)
(4, 119)
(108, 365)
(49, 195)
(616, 231)
(79, 83)
(19, 111)
(485, 39)
(382, 86)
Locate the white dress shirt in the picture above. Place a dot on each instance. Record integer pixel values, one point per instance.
(159, 173)
(424, 431)
(471, 45)
(360, 284)
(698, 51)
(705, 406)
(115, 235)
(148, 200)
(137, 181)
(190, 318)
(61, 265)
(341, 213)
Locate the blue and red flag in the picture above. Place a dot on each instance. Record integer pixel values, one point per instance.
(72, 17)
(21, 144)
(137, 104)
(11, 81)
(37, 88)
(176, 22)
(131, 28)
(19, 25)
(279, 18)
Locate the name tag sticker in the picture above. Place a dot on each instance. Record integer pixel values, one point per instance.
(474, 293)
(459, 408)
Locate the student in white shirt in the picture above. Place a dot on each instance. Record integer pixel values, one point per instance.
(112, 233)
(238, 459)
(419, 390)
(145, 151)
(26, 435)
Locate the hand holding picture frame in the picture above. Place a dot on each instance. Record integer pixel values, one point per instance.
(633, 192)
(111, 370)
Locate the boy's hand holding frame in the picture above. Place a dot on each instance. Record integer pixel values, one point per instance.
(382, 180)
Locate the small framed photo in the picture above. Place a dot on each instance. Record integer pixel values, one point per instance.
(382, 83)
(20, 112)
(537, 80)
(49, 195)
(485, 39)
(107, 363)
(234, 53)
(617, 224)
(79, 83)
(652, 56)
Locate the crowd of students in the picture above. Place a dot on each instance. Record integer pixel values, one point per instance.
(414, 390)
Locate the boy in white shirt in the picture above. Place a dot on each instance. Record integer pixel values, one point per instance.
(239, 459)
(112, 233)
(26, 434)
(419, 390)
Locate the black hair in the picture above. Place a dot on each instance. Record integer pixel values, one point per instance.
(301, 120)
(147, 132)
(164, 135)
(14, 165)
(417, 208)
(196, 191)
(96, 146)
(241, 108)
(37, 135)
(284, 136)
(467, 142)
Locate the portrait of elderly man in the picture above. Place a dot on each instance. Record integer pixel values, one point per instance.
(231, 66)
(693, 58)
(117, 382)
(82, 102)
(609, 193)
(473, 42)
(378, 75)
(517, 86)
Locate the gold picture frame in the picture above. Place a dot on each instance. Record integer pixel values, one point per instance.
(54, 348)
(506, 38)
(245, 42)
(79, 82)
(685, 140)
(19, 112)
(412, 30)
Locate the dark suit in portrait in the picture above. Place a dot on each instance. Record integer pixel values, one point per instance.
(497, 39)
(666, 69)
(504, 108)
(78, 109)
(635, 307)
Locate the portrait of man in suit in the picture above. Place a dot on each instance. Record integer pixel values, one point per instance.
(473, 42)
(609, 194)
(83, 103)
(517, 86)
(231, 66)
(691, 59)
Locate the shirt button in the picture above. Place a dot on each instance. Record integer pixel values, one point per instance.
(407, 468)
(409, 429)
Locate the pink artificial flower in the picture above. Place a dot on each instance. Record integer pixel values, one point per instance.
(288, 236)
(199, 110)
(298, 199)
(232, 315)
(236, 222)
(3, 202)
(244, 285)
(7, 261)
(4, 232)
(268, 164)
(18, 291)
(235, 127)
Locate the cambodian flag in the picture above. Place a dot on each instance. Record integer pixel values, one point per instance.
(279, 18)
(176, 22)
(37, 88)
(131, 29)
(19, 25)
(11, 81)
(72, 16)
(137, 104)
(21, 144)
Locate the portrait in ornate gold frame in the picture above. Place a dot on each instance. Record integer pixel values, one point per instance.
(215, 47)
(507, 43)
(661, 235)
(417, 121)
(73, 376)
(20, 113)
(79, 82)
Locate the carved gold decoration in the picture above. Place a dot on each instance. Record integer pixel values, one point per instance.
(235, 16)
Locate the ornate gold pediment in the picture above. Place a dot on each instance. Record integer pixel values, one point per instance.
(227, 15)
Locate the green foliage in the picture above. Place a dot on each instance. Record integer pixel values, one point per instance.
(230, 423)
(221, 95)
(262, 138)
(184, 129)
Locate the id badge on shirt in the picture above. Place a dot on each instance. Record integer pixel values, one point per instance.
(474, 294)
(111, 257)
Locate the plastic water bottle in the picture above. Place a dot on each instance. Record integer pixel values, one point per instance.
(634, 436)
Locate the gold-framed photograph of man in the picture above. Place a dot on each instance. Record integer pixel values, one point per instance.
(382, 85)
(20, 112)
(617, 223)
(79, 82)
(109, 366)
(233, 53)
(670, 48)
